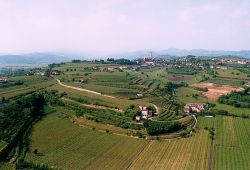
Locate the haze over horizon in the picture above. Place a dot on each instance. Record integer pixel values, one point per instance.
(114, 26)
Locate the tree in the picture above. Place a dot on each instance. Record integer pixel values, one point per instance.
(152, 108)
(133, 111)
(3, 99)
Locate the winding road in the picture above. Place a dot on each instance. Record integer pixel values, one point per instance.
(82, 89)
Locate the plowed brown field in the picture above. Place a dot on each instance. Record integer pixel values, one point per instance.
(215, 91)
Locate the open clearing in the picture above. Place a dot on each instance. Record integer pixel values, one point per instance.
(215, 91)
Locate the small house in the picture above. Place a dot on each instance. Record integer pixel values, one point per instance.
(83, 80)
(145, 112)
(194, 107)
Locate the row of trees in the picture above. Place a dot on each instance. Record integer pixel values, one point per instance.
(157, 127)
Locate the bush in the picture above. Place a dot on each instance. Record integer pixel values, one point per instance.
(156, 127)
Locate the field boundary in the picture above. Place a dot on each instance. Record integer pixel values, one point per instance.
(82, 89)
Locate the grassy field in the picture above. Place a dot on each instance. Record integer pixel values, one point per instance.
(92, 149)
(120, 156)
(231, 149)
(225, 81)
(190, 153)
(119, 102)
(55, 136)
(205, 122)
(232, 143)
(80, 147)
(31, 83)
(232, 74)
(111, 151)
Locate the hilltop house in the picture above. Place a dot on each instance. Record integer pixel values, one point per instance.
(194, 107)
(3, 79)
(145, 112)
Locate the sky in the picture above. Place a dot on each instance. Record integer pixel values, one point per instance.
(112, 26)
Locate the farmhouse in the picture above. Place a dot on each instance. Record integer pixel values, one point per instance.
(139, 94)
(248, 84)
(145, 112)
(83, 80)
(40, 73)
(3, 79)
(194, 107)
(53, 73)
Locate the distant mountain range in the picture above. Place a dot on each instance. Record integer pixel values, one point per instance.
(32, 58)
(174, 52)
(202, 52)
(47, 58)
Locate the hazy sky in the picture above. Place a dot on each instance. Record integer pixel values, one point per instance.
(108, 26)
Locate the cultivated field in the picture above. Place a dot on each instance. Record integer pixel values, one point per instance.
(190, 153)
(232, 143)
(231, 146)
(82, 148)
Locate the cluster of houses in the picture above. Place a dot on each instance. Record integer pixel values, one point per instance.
(194, 107)
(42, 73)
(106, 69)
(146, 113)
(231, 60)
(3, 79)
